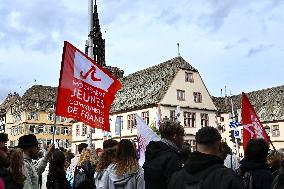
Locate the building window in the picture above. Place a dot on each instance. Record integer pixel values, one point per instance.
(64, 131)
(84, 130)
(189, 77)
(275, 131)
(33, 116)
(197, 97)
(145, 116)
(193, 145)
(181, 95)
(77, 130)
(51, 129)
(172, 115)
(131, 121)
(40, 129)
(50, 117)
(222, 119)
(204, 120)
(32, 129)
(189, 119)
(267, 129)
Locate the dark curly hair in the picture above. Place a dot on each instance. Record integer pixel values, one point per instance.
(169, 128)
(207, 136)
(109, 143)
(56, 174)
(257, 150)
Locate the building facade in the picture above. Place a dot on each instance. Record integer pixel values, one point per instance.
(174, 88)
(33, 113)
(269, 106)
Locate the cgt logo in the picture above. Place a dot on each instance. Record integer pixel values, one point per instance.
(85, 70)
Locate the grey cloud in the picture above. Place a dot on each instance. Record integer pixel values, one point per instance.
(256, 50)
(36, 20)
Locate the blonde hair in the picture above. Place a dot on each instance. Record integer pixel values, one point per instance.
(86, 155)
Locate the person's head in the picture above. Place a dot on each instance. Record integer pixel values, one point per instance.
(257, 150)
(17, 164)
(58, 160)
(30, 145)
(226, 150)
(99, 151)
(69, 155)
(208, 141)
(86, 155)
(172, 131)
(4, 159)
(105, 159)
(126, 158)
(110, 143)
(3, 141)
(274, 159)
(81, 147)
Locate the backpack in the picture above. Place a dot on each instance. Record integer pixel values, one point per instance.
(198, 183)
(83, 175)
(246, 177)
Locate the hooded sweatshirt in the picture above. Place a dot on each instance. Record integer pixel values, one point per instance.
(100, 177)
(208, 171)
(126, 181)
(161, 161)
(262, 177)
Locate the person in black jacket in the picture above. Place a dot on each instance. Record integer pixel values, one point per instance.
(56, 178)
(204, 168)
(255, 163)
(162, 158)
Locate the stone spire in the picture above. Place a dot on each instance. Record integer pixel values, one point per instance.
(98, 41)
(98, 45)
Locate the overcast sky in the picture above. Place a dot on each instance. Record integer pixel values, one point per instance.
(233, 43)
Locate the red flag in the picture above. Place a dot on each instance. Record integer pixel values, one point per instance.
(252, 127)
(86, 90)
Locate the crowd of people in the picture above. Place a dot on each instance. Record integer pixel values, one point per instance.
(169, 163)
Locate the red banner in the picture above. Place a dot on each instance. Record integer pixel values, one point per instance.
(86, 90)
(252, 127)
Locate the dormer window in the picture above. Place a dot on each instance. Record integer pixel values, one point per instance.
(33, 116)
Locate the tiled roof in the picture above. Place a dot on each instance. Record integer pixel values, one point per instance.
(10, 99)
(44, 95)
(268, 103)
(147, 87)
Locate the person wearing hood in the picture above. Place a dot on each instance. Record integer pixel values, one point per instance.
(254, 164)
(163, 158)
(205, 167)
(125, 172)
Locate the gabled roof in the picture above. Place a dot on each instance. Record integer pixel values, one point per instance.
(10, 99)
(268, 103)
(148, 87)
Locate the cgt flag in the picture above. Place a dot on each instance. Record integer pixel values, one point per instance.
(86, 90)
(252, 127)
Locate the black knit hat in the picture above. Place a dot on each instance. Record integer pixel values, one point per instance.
(27, 141)
(207, 135)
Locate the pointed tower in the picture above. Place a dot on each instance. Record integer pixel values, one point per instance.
(95, 46)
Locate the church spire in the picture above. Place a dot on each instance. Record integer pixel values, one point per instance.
(98, 41)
